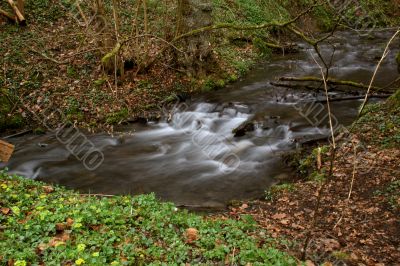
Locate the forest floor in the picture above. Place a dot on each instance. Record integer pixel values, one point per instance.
(359, 216)
(49, 225)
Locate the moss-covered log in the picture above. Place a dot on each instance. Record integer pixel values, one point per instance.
(332, 81)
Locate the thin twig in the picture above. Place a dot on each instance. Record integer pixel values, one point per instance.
(385, 53)
(48, 58)
(332, 159)
(351, 184)
(391, 83)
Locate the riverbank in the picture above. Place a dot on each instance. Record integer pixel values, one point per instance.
(359, 206)
(42, 224)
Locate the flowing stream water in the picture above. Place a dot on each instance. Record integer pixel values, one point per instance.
(193, 158)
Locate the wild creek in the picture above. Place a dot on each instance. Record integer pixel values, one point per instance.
(192, 157)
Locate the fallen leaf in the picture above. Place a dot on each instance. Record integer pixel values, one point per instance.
(285, 222)
(41, 247)
(70, 221)
(48, 189)
(5, 211)
(191, 235)
(60, 226)
(309, 263)
(297, 226)
(244, 206)
(278, 216)
(330, 244)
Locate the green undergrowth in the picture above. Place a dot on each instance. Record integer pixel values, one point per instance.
(239, 50)
(42, 224)
(392, 193)
(6, 106)
(380, 123)
(381, 12)
(275, 191)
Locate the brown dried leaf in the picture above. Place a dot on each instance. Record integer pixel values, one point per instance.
(191, 235)
(309, 263)
(285, 222)
(244, 206)
(278, 216)
(70, 221)
(48, 189)
(5, 211)
(61, 226)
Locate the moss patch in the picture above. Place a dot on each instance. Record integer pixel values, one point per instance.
(8, 120)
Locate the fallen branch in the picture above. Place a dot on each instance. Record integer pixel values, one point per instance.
(349, 98)
(21, 6)
(48, 58)
(18, 134)
(7, 15)
(294, 86)
(20, 16)
(332, 81)
(392, 83)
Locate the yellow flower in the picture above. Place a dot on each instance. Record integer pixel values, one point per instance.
(59, 243)
(77, 225)
(95, 254)
(16, 210)
(3, 186)
(115, 263)
(79, 261)
(20, 263)
(81, 247)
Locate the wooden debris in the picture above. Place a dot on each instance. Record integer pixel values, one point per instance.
(17, 11)
(332, 81)
(7, 15)
(21, 6)
(6, 150)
